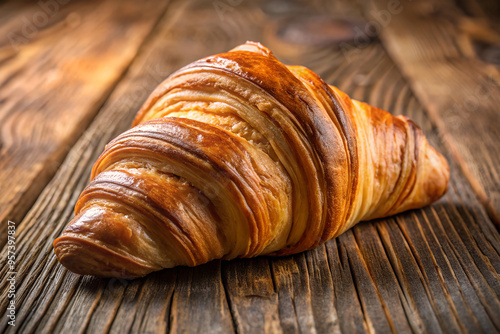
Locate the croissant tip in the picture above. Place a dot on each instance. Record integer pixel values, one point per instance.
(87, 258)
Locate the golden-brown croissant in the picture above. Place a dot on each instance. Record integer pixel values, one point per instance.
(238, 155)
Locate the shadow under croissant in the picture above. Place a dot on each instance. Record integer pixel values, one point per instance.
(257, 276)
(369, 258)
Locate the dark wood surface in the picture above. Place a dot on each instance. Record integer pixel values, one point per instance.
(77, 80)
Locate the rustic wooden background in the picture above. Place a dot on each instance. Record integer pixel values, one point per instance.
(73, 74)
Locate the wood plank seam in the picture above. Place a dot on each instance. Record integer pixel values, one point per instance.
(400, 294)
(471, 279)
(431, 295)
(346, 262)
(452, 271)
(234, 319)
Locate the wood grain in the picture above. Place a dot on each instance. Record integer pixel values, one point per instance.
(251, 296)
(57, 65)
(460, 92)
(430, 270)
(196, 288)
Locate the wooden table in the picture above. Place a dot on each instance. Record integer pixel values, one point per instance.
(74, 73)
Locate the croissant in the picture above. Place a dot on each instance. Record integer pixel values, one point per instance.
(238, 155)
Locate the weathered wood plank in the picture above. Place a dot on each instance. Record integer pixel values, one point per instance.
(294, 294)
(306, 293)
(390, 291)
(251, 295)
(322, 291)
(389, 274)
(194, 286)
(461, 93)
(57, 65)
